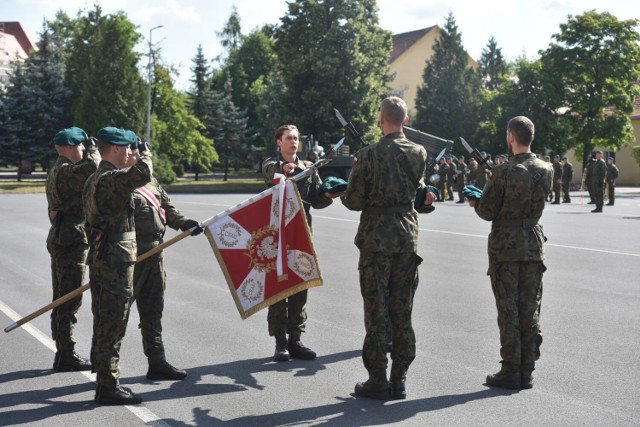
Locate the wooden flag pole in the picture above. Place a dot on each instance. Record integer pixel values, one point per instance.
(84, 287)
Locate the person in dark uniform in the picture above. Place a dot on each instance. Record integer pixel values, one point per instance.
(109, 208)
(513, 200)
(153, 212)
(557, 181)
(567, 176)
(612, 175)
(67, 244)
(290, 315)
(599, 174)
(387, 186)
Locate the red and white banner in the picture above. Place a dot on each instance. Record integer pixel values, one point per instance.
(264, 248)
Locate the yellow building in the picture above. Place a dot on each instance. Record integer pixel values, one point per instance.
(413, 49)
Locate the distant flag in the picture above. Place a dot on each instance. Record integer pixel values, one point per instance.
(264, 248)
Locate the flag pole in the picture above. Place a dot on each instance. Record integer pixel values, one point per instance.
(86, 286)
(158, 248)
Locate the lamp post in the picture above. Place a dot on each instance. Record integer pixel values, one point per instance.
(150, 71)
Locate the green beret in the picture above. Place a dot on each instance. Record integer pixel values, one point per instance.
(116, 136)
(557, 156)
(132, 135)
(333, 185)
(70, 136)
(598, 152)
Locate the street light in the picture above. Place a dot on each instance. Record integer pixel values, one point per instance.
(149, 87)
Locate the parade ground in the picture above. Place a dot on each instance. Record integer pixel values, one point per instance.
(588, 374)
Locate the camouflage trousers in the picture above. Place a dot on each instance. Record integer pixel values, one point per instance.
(288, 315)
(598, 194)
(67, 272)
(387, 285)
(149, 283)
(111, 293)
(517, 287)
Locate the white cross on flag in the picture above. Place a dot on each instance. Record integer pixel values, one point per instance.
(264, 248)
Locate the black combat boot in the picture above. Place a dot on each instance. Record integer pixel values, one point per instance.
(297, 350)
(507, 377)
(70, 361)
(373, 389)
(163, 370)
(282, 352)
(398, 388)
(116, 396)
(526, 379)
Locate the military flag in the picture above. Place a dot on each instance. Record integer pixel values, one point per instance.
(264, 248)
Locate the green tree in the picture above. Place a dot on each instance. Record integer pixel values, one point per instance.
(596, 61)
(332, 54)
(447, 101)
(200, 86)
(37, 104)
(177, 132)
(492, 66)
(103, 72)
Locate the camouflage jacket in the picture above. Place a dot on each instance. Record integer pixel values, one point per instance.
(383, 185)
(307, 187)
(567, 172)
(149, 225)
(65, 182)
(612, 173)
(513, 199)
(461, 177)
(108, 207)
(557, 171)
(599, 172)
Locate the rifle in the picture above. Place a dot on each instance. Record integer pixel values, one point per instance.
(476, 155)
(350, 128)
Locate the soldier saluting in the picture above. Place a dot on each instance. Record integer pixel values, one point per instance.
(109, 207)
(67, 244)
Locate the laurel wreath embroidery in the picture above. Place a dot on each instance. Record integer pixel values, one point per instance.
(290, 209)
(251, 290)
(304, 264)
(229, 235)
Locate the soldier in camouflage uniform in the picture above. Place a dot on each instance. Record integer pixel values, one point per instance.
(612, 174)
(385, 183)
(598, 175)
(67, 240)
(289, 315)
(567, 176)
(588, 177)
(109, 208)
(442, 182)
(153, 212)
(513, 200)
(461, 178)
(557, 181)
(450, 177)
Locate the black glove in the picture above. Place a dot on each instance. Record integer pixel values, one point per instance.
(143, 146)
(190, 223)
(90, 142)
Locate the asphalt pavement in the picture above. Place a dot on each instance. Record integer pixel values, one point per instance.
(588, 373)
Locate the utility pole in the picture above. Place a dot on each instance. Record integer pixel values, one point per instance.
(150, 75)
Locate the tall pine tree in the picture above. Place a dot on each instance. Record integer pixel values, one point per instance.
(446, 102)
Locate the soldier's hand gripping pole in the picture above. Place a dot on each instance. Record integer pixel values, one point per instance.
(84, 287)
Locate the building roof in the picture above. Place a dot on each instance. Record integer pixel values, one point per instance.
(403, 41)
(15, 29)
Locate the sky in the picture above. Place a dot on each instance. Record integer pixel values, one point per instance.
(520, 27)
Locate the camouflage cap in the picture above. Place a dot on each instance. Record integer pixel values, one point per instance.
(116, 136)
(70, 136)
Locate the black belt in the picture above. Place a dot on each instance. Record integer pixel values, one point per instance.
(388, 209)
(150, 237)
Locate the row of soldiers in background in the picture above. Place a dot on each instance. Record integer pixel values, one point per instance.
(452, 174)
(562, 176)
(597, 173)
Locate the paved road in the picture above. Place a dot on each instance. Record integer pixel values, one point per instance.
(588, 374)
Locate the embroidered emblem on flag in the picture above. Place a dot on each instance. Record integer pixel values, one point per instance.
(247, 239)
